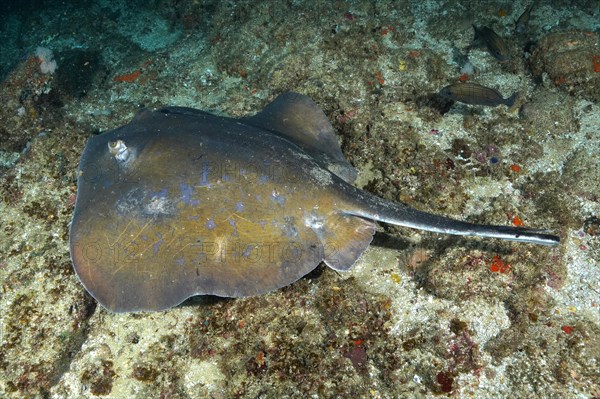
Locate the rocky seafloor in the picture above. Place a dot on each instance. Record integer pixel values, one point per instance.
(420, 315)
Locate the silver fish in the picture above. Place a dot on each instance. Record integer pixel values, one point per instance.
(522, 24)
(476, 94)
(494, 43)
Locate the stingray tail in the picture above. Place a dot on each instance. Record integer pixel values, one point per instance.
(401, 215)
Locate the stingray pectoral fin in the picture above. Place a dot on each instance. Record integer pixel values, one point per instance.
(297, 118)
(344, 238)
(401, 215)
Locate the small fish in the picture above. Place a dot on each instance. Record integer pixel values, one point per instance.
(522, 24)
(493, 42)
(476, 94)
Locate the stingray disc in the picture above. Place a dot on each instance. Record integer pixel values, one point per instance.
(180, 202)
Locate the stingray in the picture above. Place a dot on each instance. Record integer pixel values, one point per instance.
(181, 202)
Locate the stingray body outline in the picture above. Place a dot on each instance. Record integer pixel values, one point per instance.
(181, 202)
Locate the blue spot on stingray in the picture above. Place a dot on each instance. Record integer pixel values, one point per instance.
(180, 261)
(248, 251)
(263, 179)
(233, 224)
(210, 224)
(278, 199)
(158, 243)
(239, 206)
(226, 178)
(186, 194)
(289, 229)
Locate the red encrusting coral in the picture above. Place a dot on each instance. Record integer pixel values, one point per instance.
(567, 329)
(517, 221)
(128, 77)
(499, 266)
(596, 63)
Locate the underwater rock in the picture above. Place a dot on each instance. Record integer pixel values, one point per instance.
(571, 60)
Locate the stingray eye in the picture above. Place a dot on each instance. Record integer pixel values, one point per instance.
(119, 150)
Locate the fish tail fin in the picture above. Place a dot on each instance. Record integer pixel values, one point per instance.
(401, 215)
(475, 32)
(511, 100)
